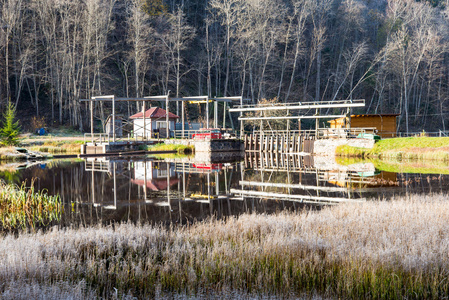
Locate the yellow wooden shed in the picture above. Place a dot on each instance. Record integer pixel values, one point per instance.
(384, 124)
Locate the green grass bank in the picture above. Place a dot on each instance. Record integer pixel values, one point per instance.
(428, 148)
(181, 149)
(374, 250)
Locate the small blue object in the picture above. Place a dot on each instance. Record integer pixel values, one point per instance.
(41, 131)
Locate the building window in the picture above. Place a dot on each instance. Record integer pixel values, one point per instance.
(161, 124)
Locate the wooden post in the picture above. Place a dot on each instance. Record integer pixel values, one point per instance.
(241, 122)
(349, 119)
(288, 134)
(265, 143)
(113, 118)
(207, 113)
(282, 144)
(144, 122)
(183, 111)
(115, 183)
(145, 180)
(92, 120)
(225, 106)
(166, 118)
(216, 114)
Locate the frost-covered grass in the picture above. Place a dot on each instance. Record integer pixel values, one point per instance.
(383, 250)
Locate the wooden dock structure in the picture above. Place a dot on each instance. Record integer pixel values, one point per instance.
(279, 142)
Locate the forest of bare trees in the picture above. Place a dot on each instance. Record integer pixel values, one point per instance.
(393, 53)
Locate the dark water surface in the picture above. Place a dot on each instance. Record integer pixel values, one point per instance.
(167, 191)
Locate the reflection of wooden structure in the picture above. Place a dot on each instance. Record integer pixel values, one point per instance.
(362, 179)
(385, 124)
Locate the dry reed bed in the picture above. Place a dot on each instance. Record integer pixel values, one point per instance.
(25, 207)
(385, 249)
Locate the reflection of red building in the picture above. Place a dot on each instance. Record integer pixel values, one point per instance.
(156, 184)
(156, 174)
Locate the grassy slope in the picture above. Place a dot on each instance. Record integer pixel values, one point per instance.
(381, 250)
(410, 148)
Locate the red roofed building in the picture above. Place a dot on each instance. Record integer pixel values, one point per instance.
(155, 122)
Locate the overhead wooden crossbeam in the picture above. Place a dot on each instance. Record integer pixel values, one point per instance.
(167, 99)
(232, 99)
(300, 105)
(291, 117)
(200, 101)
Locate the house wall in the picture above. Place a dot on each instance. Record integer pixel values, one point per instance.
(171, 124)
(386, 125)
(138, 127)
(150, 125)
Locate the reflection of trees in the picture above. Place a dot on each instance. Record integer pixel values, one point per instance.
(11, 176)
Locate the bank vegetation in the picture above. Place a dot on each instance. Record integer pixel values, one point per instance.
(374, 250)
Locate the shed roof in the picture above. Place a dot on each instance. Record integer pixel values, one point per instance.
(154, 113)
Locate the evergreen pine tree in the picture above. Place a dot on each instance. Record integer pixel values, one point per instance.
(10, 130)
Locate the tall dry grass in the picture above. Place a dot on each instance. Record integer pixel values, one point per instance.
(380, 250)
(26, 207)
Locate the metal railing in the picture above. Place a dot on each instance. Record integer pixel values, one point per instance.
(104, 138)
(325, 133)
(188, 134)
(439, 133)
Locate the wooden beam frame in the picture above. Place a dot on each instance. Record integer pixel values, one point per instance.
(196, 99)
(290, 117)
(300, 105)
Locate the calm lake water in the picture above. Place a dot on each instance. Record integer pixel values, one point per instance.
(145, 189)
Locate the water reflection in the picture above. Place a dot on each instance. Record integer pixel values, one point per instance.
(104, 190)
